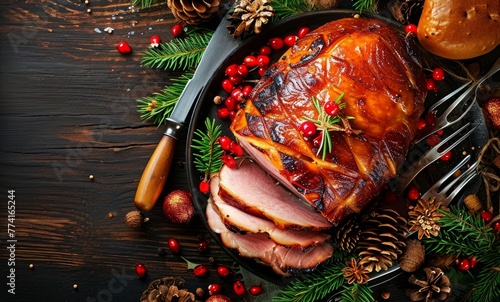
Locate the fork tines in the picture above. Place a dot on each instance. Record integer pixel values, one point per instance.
(408, 173)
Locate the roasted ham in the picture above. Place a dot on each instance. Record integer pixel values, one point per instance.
(240, 221)
(384, 92)
(259, 246)
(250, 189)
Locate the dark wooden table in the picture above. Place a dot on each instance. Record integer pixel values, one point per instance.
(73, 148)
(68, 111)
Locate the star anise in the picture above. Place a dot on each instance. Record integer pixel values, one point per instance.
(434, 287)
(424, 217)
(355, 272)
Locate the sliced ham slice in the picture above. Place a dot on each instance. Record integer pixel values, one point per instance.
(252, 190)
(259, 246)
(240, 221)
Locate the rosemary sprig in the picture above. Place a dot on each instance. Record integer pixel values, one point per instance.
(207, 150)
(366, 5)
(326, 123)
(159, 106)
(179, 54)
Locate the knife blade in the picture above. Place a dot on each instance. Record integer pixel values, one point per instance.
(156, 171)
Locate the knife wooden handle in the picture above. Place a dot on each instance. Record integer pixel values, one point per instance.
(155, 174)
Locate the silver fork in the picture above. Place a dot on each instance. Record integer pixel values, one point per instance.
(407, 174)
(445, 195)
(443, 120)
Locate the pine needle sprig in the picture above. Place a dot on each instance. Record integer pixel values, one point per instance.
(178, 54)
(145, 3)
(487, 287)
(159, 106)
(366, 5)
(461, 233)
(207, 150)
(287, 8)
(315, 286)
(357, 293)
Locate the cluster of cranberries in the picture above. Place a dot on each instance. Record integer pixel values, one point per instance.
(177, 31)
(237, 86)
(201, 270)
(437, 73)
(236, 83)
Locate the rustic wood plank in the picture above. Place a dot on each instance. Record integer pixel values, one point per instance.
(68, 111)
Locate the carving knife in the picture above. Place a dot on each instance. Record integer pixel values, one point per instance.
(155, 174)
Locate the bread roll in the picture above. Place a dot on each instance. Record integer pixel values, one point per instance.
(459, 29)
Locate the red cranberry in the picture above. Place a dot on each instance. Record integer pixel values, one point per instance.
(140, 269)
(204, 187)
(214, 289)
(303, 32)
(438, 74)
(308, 128)
(200, 270)
(276, 43)
(223, 271)
(255, 290)
(290, 40)
(265, 50)
(411, 29)
(487, 216)
(174, 245)
(232, 70)
(239, 288)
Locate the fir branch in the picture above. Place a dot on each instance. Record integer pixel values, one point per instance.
(145, 3)
(207, 151)
(462, 283)
(179, 54)
(314, 287)
(488, 285)
(159, 106)
(366, 5)
(287, 8)
(357, 293)
(461, 233)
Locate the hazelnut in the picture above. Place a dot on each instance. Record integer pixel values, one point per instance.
(217, 100)
(200, 292)
(134, 219)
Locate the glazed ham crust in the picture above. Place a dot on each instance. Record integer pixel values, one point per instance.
(384, 89)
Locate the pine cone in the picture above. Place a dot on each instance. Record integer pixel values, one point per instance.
(166, 290)
(355, 272)
(193, 11)
(435, 286)
(347, 235)
(424, 216)
(382, 239)
(249, 16)
(413, 256)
